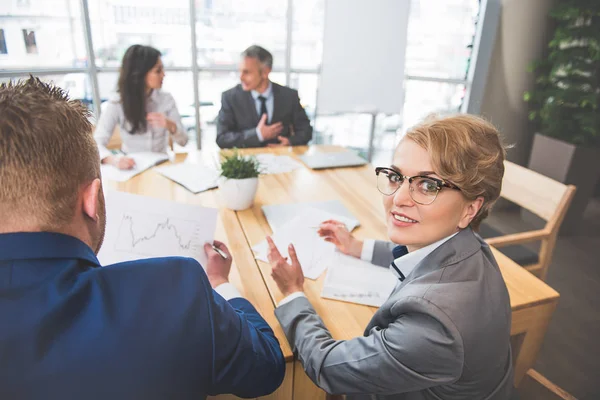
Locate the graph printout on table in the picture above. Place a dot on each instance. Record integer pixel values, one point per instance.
(144, 227)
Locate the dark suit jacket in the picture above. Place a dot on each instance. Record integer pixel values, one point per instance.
(444, 332)
(236, 125)
(147, 329)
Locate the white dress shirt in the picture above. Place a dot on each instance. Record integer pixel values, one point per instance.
(405, 264)
(227, 291)
(268, 94)
(154, 139)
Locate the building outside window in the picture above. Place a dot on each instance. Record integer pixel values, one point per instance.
(30, 44)
(3, 49)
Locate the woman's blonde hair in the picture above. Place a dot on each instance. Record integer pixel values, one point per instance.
(467, 151)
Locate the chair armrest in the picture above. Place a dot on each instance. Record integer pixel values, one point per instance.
(518, 238)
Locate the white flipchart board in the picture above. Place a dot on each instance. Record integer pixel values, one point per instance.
(364, 48)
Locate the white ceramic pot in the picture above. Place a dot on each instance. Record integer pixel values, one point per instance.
(238, 194)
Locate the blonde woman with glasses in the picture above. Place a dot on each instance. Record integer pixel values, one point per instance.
(444, 332)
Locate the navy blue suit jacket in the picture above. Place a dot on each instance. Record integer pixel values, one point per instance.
(147, 329)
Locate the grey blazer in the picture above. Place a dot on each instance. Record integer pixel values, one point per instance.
(444, 332)
(237, 121)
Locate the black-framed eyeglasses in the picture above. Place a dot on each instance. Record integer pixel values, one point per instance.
(423, 189)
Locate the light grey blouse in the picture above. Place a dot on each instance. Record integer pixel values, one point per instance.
(154, 139)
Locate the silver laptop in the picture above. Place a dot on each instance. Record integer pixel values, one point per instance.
(332, 160)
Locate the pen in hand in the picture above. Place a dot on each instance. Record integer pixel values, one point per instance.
(221, 252)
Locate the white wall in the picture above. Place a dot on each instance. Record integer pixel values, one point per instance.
(523, 33)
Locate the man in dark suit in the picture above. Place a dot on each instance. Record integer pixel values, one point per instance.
(258, 112)
(73, 329)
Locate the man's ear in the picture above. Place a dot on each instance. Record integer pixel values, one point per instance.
(266, 71)
(470, 211)
(90, 199)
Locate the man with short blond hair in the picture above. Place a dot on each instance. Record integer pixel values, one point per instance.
(151, 329)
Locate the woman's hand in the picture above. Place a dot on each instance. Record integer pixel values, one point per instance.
(121, 162)
(288, 277)
(337, 233)
(159, 120)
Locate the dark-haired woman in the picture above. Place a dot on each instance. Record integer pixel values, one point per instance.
(145, 114)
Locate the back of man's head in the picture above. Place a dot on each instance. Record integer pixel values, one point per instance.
(47, 153)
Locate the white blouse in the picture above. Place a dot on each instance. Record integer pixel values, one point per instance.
(154, 139)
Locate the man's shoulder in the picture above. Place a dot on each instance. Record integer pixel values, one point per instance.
(171, 272)
(234, 91)
(285, 90)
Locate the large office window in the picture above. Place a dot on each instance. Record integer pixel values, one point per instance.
(48, 38)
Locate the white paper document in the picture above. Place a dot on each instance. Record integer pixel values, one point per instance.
(143, 161)
(353, 280)
(194, 177)
(278, 215)
(144, 227)
(314, 253)
(272, 164)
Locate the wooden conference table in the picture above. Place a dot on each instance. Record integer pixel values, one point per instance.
(532, 301)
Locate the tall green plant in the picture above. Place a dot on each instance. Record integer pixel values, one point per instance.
(565, 101)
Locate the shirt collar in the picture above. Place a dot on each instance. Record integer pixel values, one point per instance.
(154, 96)
(406, 262)
(266, 94)
(39, 245)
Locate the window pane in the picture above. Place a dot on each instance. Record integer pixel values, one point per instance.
(225, 28)
(41, 34)
(212, 85)
(307, 33)
(423, 98)
(439, 37)
(77, 85)
(306, 84)
(163, 25)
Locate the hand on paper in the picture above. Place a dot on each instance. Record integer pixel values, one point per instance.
(288, 277)
(337, 233)
(217, 267)
(121, 162)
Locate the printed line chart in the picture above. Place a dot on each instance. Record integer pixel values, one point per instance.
(157, 235)
(140, 227)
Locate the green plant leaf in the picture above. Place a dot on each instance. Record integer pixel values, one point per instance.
(236, 166)
(565, 99)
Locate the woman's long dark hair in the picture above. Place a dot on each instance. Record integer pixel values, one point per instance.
(137, 61)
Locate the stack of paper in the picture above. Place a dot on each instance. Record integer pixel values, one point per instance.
(356, 281)
(194, 177)
(314, 253)
(143, 161)
(272, 164)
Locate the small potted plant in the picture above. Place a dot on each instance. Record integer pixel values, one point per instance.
(239, 180)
